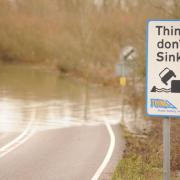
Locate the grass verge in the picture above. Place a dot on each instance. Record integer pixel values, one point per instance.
(142, 159)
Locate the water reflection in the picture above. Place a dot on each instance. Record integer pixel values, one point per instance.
(48, 101)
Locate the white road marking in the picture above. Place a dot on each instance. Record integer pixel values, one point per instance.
(14, 141)
(11, 148)
(24, 136)
(28, 132)
(108, 155)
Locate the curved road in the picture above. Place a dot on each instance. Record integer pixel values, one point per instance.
(73, 153)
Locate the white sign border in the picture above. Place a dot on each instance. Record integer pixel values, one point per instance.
(147, 38)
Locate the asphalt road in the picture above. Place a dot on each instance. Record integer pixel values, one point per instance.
(73, 153)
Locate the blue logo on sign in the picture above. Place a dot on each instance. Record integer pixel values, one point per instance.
(160, 103)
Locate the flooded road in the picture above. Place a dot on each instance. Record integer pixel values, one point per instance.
(48, 101)
(57, 128)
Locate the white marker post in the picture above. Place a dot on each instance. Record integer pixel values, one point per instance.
(163, 77)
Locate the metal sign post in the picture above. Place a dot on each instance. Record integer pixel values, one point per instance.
(166, 147)
(122, 84)
(127, 55)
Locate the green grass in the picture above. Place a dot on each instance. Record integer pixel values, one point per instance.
(142, 159)
(133, 167)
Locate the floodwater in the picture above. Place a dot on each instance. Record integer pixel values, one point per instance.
(46, 101)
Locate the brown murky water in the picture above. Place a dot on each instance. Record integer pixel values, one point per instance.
(47, 101)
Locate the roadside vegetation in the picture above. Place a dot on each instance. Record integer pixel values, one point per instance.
(77, 38)
(73, 37)
(143, 155)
